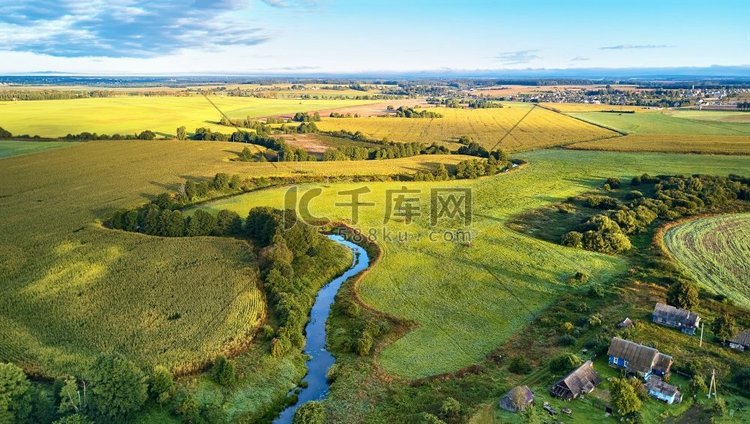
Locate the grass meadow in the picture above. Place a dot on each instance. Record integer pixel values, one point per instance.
(542, 128)
(462, 312)
(133, 114)
(14, 147)
(714, 250)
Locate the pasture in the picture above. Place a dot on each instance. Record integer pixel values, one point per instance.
(653, 122)
(714, 250)
(460, 310)
(174, 301)
(133, 114)
(684, 143)
(713, 115)
(14, 147)
(542, 128)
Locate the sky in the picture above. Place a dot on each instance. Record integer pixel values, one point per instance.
(147, 37)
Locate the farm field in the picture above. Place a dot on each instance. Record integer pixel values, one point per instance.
(131, 114)
(589, 107)
(714, 250)
(660, 123)
(720, 116)
(716, 144)
(542, 128)
(14, 148)
(461, 311)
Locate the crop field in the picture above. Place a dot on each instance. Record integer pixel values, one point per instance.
(15, 148)
(462, 312)
(716, 144)
(714, 250)
(542, 128)
(589, 107)
(132, 114)
(661, 123)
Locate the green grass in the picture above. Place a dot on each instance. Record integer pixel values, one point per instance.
(131, 114)
(542, 128)
(14, 148)
(713, 115)
(661, 123)
(714, 251)
(462, 312)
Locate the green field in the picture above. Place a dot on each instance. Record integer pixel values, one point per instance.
(542, 128)
(103, 289)
(714, 251)
(713, 115)
(662, 123)
(14, 148)
(461, 311)
(132, 114)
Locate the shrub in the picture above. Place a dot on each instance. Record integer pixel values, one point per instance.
(310, 413)
(572, 239)
(683, 294)
(566, 340)
(450, 408)
(519, 365)
(223, 371)
(564, 363)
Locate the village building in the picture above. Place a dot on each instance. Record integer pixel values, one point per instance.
(517, 399)
(662, 390)
(682, 319)
(638, 359)
(741, 341)
(581, 381)
(626, 323)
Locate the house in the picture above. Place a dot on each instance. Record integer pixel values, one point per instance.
(517, 399)
(579, 382)
(639, 359)
(662, 390)
(741, 341)
(682, 319)
(626, 323)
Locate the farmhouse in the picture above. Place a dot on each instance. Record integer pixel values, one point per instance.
(579, 382)
(639, 359)
(663, 391)
(517, 399)
(682, 319)
(741, 341)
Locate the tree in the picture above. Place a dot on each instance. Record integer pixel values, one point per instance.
(228, 223)
(15, 394)
(450, 408)
(624, 397)
(310, 413)
(5, 133)
(118, 387)
(572, 239)
(223, 371)
(564, 362)
(162, 384)
(75, 419)
(181, 133)
(532, 416)
(220, 182)
(201, 223)
(698, 384)
(723, 327)
(146, 135)
(72, 399)
(682, 294)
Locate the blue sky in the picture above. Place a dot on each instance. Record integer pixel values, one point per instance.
(309, 36)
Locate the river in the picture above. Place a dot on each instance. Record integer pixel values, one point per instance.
(315, 332)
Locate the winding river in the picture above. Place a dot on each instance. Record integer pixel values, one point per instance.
(315, 346)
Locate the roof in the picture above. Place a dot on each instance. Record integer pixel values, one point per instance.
(670, 313)
(626, 323)
(582, 380)
(506, 402)
(742, 339)
(640, 358)
(656, 384)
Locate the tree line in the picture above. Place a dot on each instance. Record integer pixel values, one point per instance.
(671, 198)
(743, 105)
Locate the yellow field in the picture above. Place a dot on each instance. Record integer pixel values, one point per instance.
(717, 144)
(542, 128)
(131, 114)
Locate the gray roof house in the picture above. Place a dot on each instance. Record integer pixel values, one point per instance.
(662, 390)
(637, 358)
(682, 319)
(741, 341)
(581, 381)
(517, 399)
